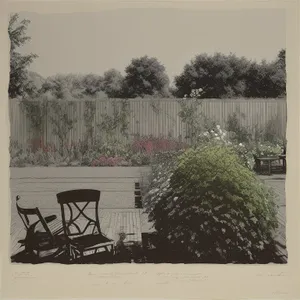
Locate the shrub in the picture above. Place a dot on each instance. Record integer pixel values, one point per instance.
(210, 208)
(140, 159)
(237, 130)
(109, 161)
(152, 145)
(267, 149)
(217, 136)
(271, 132)
(162, 166)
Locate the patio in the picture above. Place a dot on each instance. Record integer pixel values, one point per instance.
(38, 187)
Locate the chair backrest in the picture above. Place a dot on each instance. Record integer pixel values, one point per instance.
(83, 220)
(24, 214)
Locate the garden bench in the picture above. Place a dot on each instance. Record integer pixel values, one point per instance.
(268, 161)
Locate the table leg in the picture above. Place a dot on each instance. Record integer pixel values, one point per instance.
(269, 168)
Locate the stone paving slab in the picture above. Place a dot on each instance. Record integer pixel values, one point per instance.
(76, 172)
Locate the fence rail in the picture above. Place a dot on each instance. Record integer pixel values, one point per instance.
(156, 117)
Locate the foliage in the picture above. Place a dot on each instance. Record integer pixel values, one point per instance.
(19, 85)
(36, 80)
(267, 149)
(140, 159)
(210, 208)
(152, 145)
(71, 86)
(219, 76)
(229, 76)
(220, 137)
(89, 116)
(145, 76)
(109, 161)
(265, 80)
(162, 166)
(113, 83)
(239, 132)
(98, 153)
(61, 121)
(92, 84)
(36, 112)
(270, 133)
(190, 115)
(42, 156)
(118, 120)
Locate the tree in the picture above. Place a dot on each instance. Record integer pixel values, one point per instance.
(280, 76)
(113, 83)
(146, 76)
(218, 75)
(229, 76)
(265, 80)
(281, 59)
(61, 87)
(36, 79)
(92, 84)
(72, 86)
(19, 85)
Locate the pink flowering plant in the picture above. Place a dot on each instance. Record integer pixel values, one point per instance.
(152, 145)
(139, 152)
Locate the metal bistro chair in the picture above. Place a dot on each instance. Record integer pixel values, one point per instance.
(84, 237)
(44, 236)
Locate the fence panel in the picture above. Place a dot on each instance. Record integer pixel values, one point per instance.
(156, 117)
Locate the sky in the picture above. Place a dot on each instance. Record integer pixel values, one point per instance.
(97, 41)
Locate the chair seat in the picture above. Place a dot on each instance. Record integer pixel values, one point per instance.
(54, 224)
(91, 240)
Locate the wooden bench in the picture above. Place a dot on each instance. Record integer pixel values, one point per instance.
(268, 161)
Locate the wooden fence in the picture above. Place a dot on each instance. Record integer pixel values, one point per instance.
(156, 117)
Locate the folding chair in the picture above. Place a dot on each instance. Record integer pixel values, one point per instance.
(84, 237)
(44, 236)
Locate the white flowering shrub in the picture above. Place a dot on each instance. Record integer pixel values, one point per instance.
(267, 149)
(218, 136)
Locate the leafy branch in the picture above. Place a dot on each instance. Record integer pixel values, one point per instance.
(61, 123)
(118, 120)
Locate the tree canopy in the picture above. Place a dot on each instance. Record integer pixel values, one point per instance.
(218, 75)
(145, 76)
(19, 84)
(113, 83)
(227, 76)
(72, 86)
